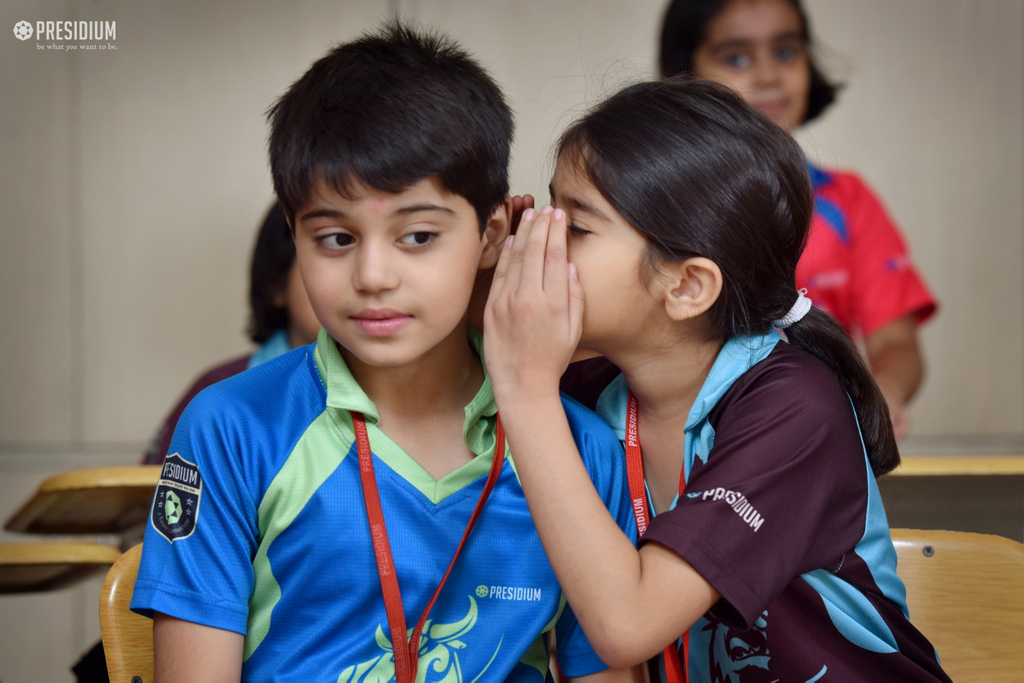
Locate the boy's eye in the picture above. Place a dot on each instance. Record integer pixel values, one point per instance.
(418, 239)
(576, 230)
(337, 240)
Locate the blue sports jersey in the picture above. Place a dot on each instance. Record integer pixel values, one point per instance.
(259, 526)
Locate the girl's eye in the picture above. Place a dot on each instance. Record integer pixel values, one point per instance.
(786, 54)
(418, 239)
(577, 231)
(736, 60)
(337, 240)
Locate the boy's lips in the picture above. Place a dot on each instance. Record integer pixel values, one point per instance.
(380, 322)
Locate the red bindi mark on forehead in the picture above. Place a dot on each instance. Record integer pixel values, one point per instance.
(377, 205)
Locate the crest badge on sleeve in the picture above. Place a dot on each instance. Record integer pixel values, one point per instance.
(176, 502)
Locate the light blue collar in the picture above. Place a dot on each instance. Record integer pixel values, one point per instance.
(738, 355)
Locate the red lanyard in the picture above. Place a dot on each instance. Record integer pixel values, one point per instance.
(406, 652)
(674, 670)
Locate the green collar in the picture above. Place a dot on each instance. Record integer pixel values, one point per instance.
(344, 395)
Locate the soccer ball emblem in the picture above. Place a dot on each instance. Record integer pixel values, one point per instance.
(481, 591)
(172, 508)
(23, 30)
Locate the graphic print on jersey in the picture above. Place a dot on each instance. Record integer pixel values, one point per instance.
(742, 656)
(438, 654)
(176, 502)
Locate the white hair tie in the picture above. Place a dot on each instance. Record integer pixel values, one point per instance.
(796, 312)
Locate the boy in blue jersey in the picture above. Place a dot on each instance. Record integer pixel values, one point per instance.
(309, 508)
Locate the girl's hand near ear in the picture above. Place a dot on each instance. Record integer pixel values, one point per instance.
(534, 314)
(631, 604)
(519, 205)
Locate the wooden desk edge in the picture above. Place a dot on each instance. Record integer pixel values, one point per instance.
(102, 477)
(132, 476)
(58, 552)
(951, 465)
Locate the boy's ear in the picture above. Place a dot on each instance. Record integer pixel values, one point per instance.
(692, 287)
(495, 232)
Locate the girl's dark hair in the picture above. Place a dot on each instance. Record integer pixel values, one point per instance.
(684, 28)
(272, 260)
(698, 172)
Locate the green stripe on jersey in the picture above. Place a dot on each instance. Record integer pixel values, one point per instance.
(315, 457)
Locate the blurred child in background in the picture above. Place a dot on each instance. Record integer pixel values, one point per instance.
(280, 319)
(855, 265)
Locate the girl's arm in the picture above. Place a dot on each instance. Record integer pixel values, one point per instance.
(185, 651)
(631, 603)
(897, 366)
(636, 674)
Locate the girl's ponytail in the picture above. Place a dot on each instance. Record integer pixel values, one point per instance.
(821, 336)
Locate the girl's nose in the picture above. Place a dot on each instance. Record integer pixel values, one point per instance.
(766, 70)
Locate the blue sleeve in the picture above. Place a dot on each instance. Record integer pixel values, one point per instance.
(606, 462)
(202, 530)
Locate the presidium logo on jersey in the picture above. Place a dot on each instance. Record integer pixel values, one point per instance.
(737, 501)
(176, 503)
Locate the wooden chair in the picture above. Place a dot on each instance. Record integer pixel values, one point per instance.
(127, 637)
(966, 595)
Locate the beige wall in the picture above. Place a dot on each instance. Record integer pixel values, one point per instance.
(933, 116)
(133, 180)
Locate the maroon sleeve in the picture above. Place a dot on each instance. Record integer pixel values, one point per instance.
(157, 449)
(782, 491)
(586, 379)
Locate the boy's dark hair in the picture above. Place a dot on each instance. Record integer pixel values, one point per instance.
(684, 28)
(272, 260)
(698, 172)
(389, 109)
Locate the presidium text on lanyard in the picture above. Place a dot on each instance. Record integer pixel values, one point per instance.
(674, 669)
(407, 651)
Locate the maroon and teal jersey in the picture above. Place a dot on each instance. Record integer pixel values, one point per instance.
(855, 265)
(782, 516)
(259, 526)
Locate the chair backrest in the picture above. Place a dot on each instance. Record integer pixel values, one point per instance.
(965, 593)
(127, 637)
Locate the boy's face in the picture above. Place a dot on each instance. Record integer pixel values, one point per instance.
(390, 275)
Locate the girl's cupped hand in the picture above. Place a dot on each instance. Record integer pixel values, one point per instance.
(534, 314)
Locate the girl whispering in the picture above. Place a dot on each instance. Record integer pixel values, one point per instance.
(753, 430)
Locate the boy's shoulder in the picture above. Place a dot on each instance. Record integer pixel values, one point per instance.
(583, 418)
(265, 388)
(598, 445)
(282, 395)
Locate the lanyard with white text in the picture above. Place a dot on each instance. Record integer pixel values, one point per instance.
(406, 652)
(674, 669)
